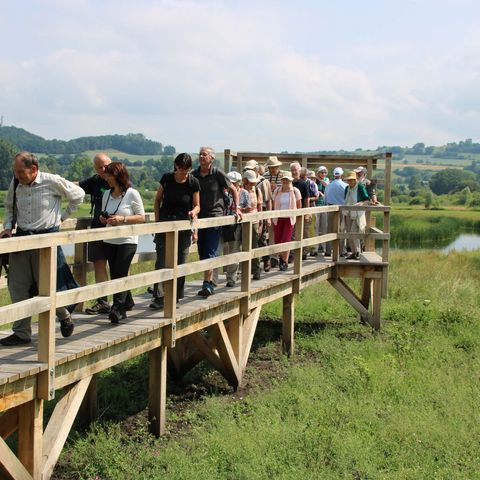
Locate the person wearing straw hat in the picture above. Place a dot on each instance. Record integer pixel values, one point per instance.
(255, 201)
(354, 221)
(274, 174)
(264, 186)
(285, 197)
(370, 185)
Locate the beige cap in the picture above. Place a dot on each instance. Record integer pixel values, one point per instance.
(250, 176)
(350, 176)
(251, 165)
(287, 176)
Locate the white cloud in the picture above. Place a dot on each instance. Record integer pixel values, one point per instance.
(231, 75)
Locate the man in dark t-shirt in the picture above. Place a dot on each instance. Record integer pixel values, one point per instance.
(213, 183)
(302, 185)
(95, 186)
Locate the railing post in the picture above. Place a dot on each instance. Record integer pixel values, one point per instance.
(246, 267)
(336, 229)
(385, 253)
(47, 286)
(170, 286)
(369, 241)
(227, 160)
(297, 261)
(80, 260)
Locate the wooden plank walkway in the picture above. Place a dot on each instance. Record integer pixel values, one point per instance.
(96, 333)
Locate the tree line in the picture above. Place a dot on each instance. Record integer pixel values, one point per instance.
(132, 143)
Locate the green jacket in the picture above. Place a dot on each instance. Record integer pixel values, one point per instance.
(362, 194)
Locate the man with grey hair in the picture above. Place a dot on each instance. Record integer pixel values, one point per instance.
(213, 183)
(37, 209)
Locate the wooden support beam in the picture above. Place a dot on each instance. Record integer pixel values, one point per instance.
(234, 328)
(249, 326)
(30, 436)
(349, 295)
(376, 302)
(226, 353)
(47, 286)
(11, 465)
(9, 423)
(210, 353)
(60, 424)
(288, 324)
(157, 390)
(365, 299)
(89, 407)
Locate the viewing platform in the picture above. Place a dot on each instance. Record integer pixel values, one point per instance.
(219, 329)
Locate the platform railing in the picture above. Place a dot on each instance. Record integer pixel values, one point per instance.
(47, 300)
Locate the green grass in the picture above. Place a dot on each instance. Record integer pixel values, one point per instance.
(401, 404)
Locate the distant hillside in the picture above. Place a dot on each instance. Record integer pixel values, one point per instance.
(132, 143)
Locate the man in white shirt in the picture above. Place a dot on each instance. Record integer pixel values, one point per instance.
(335, 195)
(38, 209)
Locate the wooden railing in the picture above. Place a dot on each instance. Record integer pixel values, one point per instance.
(47, 300)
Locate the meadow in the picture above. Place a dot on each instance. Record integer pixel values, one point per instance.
(400, 404)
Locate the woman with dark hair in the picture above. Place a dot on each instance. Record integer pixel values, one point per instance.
(178, 198)
(121, 205)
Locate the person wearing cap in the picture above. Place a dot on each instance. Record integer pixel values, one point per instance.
(321, 220)
(255, 202)
(264, 186)
(335, 195)
(285, 197)
(369, 184)
(355, 221)
(232, 234)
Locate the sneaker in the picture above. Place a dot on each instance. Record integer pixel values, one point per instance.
(101, 307)
(157, 303)
(267, 266)
(66, 326)
(207, 289)
(256, 276)
(230, 283)
(283, 266)
(116, 314)
(150, 290)
(274, 262)
(13, 340)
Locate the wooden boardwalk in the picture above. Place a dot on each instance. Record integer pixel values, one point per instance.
(218, 329)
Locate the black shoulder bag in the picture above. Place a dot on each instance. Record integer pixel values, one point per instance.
(4, 257)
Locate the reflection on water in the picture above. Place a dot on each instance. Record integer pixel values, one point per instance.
(463, 242)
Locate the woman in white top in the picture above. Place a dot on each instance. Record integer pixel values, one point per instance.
(121, 205)
(285, 197)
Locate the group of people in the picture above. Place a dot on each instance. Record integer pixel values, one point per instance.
(34, 206)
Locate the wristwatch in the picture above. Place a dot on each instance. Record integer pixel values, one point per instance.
(124, 219)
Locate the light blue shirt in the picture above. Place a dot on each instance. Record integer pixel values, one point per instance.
(335, 192)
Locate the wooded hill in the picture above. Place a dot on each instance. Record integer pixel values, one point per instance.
(132, 143)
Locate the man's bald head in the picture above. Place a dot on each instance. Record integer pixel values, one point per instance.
(100, 161)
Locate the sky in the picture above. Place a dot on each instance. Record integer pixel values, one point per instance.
(247, 75)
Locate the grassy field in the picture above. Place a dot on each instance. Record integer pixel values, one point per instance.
(401, 404)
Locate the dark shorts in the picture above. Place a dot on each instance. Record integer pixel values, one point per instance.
(96, 251)
(208, 242)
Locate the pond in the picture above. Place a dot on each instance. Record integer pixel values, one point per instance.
(464, 241)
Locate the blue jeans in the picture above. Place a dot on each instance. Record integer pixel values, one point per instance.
(208, 242)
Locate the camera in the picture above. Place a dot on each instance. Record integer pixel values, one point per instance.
(104, 214)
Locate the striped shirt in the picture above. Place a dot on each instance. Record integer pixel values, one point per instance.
(39, 205)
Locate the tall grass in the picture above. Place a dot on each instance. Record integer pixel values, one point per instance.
(401, 404)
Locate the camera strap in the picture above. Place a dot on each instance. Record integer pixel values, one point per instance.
(118, 206)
